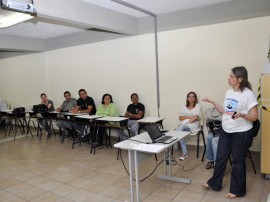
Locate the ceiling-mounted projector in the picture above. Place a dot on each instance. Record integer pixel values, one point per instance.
(24, 6)
(13, 12)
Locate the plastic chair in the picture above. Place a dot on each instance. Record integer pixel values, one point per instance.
(17, 117)
(198, 134)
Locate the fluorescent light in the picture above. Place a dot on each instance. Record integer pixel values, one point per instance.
(13, 18)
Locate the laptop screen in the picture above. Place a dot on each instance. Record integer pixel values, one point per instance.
(153, 131)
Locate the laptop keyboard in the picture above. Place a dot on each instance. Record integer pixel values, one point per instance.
(164, 138)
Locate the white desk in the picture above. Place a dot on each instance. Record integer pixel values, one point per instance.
(112, 119)
(87, 116)
(133, 147)
(67, 115)
(149, 119)
(101, 122)
(71, 114)
(6, 111)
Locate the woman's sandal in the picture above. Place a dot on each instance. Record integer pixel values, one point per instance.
(209, 165)
(230, 196)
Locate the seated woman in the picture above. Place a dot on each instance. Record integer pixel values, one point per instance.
(189, 120)
(107, 108)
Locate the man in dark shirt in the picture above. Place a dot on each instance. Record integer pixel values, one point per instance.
(85, 104)
(135, 111)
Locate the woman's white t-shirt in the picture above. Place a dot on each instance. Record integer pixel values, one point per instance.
(194, 127)
(240, 102)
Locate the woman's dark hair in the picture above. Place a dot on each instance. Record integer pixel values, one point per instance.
(103, 97)
(241, 72)
(196, 99)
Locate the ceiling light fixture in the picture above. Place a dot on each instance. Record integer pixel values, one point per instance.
(16, 11)
(13, 18)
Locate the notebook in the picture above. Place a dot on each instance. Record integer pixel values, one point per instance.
(156, 135)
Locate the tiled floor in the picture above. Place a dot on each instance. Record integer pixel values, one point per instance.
(37, 171)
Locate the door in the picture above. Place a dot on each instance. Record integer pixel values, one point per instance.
(265, 126)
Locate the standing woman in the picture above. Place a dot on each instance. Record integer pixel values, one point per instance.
(189, 120)
(239, 111)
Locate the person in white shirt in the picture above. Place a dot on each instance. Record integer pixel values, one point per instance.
(3, 104)
(189, 120)
(239, 111)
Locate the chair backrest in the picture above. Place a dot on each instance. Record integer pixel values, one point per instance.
(212, 114)
(202, 120)
(256, 127)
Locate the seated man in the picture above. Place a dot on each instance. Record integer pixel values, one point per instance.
(135, 111)
(67, 106)
(85, 104)
(43, 122)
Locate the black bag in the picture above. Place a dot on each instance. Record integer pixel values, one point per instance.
(213, 120)
(256, 127)
(214, 127)
(18, 110)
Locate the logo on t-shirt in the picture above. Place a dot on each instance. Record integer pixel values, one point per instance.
(231, 105)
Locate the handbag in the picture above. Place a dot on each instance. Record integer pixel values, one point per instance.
(213, 120)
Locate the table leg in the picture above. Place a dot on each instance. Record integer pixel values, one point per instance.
(165, 163)
(130, 159)
(170, 162)
(170, 177)
(137, 176)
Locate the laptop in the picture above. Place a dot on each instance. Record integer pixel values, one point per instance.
(157, 136)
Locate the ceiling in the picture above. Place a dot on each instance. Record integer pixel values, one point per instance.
(65, 23)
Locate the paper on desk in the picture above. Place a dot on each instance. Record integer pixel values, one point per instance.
(149, 147)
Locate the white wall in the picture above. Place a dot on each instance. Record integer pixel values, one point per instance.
(197, 59)
(118, 67)
(23, 79)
